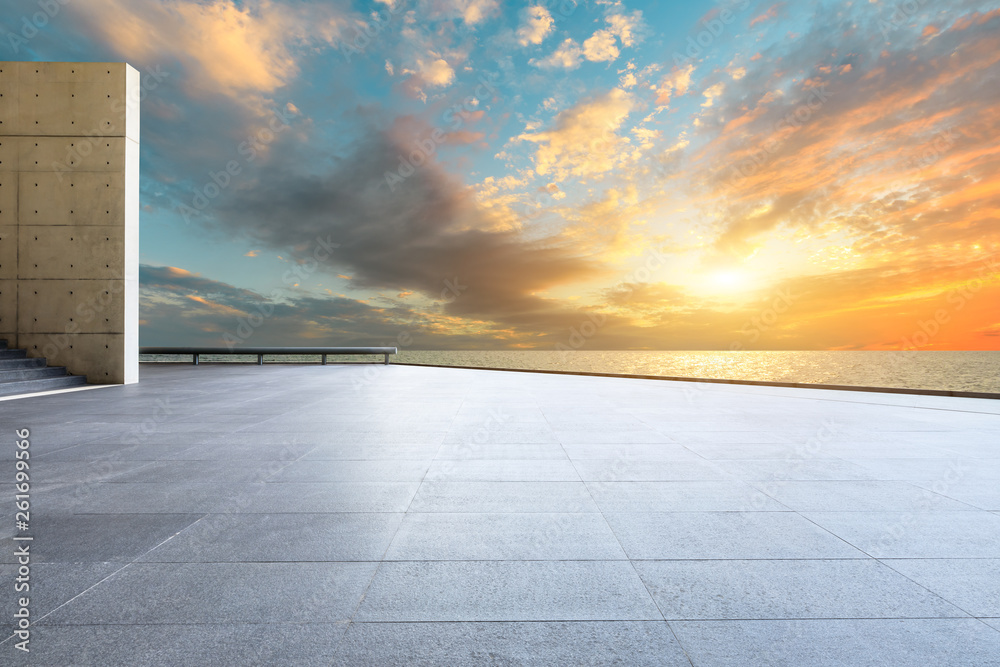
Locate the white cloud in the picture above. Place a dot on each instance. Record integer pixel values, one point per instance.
(712, 93)
(225, 46)
(566, 56)
(584, 140)
(626, 27)
(536, 26)
(601, 47)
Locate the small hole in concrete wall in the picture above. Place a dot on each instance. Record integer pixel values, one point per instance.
(71, 290)
(105, 347)
(71, 266)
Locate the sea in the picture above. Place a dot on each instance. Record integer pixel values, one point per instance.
(944, 371)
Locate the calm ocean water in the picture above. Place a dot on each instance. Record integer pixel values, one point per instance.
(957, 371)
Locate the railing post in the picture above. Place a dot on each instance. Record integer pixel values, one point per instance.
(260, 359)
(386, 359)
(324, 360)
(195, 359)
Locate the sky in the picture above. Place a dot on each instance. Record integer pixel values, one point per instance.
(603, 174)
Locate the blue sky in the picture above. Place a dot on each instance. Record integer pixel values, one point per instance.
(481, 173)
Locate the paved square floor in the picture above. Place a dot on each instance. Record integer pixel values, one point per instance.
(373, 515)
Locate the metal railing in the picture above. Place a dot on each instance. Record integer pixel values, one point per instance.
(196, 352)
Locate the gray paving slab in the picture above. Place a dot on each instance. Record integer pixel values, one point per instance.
(924, 469)
(982, 493)
(731, 496)
(107, 453)
(288, 537)
(50, 585)
(857, 496)
(796, 468)
(329, 452)
(480, 497)
(503, 470)
(96, 538)
(181, 472)
(198, 593)
(783, 589)
(507, 591)
(494, 451)
(916, 534)
(583, 437)
(537, 643)
(219, 645)
(642, 451)
(352, 471)
(621, 469)
(531, 536)
(145, 498)
(970, 584)
(725, 535)
(515, 434)
(835, 643)
(47, 471)
(309, 497)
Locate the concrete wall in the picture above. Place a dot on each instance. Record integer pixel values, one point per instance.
(69, 215)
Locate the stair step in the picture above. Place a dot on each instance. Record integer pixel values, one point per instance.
(32, 373)
(44, 384)
(17, 364)
(13, 354)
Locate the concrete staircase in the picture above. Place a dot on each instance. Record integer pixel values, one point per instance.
(21, 375)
